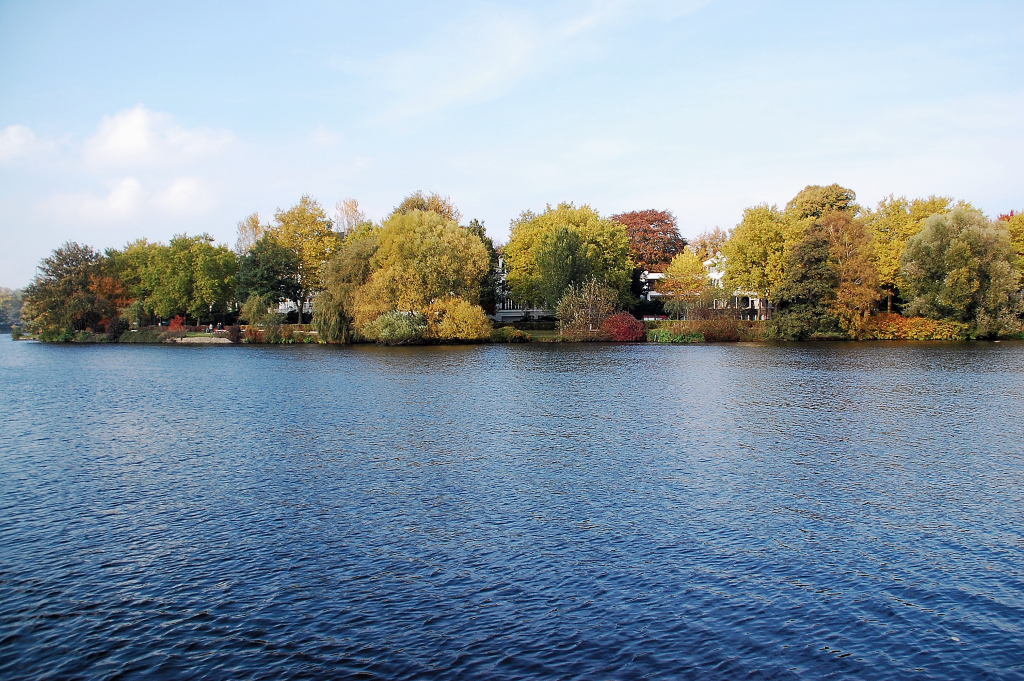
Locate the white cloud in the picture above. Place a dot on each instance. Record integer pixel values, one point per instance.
(140, 137)
(16, 140)
(121, 202)
(186, 196)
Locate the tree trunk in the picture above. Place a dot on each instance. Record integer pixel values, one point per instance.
(890, 302)
(299, 311)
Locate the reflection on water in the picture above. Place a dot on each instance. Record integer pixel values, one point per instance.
(541, 511)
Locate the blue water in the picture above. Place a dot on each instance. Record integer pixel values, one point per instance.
(502, 512)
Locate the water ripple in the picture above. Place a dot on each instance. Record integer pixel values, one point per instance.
(744, 511)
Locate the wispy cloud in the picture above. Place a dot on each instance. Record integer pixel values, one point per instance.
(121, 202)
(141, 137)
(485, 56)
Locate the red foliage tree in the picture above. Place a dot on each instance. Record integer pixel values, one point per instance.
(653, 237)
(623, 327)
(177, 324)
(1005, 217)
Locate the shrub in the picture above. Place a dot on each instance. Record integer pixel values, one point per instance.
(397, 328)
(623, 327)
(235, 333)
(177, 324)
(898, 327)
(15, 332)
(583, 309)
(718, 330)
(508, 334)
(670, 336)
(116, 328)
(56, 335)
(144, 335)
(455, 319)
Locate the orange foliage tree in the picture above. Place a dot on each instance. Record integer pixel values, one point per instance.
(653, 237)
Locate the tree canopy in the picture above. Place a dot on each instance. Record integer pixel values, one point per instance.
(961, 266)
(605, 241)
(654, 237)
(422, 257)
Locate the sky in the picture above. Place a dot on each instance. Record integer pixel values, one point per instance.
(122, 120)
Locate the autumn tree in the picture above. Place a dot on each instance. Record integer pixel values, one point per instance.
(455, 319)
(709, 243)
(961, 266)
(584, 308)
(606, 243)
(422, 257)
(814, 202)
(306, 230)
(892, 223)
(249, 231)
(685, 284)
(61, 299)
(653, 237)
(1015, 225)
(755, 254)
(442, 205)
(851, 252)
(348, 216)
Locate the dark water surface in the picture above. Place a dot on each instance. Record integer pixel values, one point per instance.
(597, 512)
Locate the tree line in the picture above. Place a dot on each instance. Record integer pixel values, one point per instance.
(830, 268)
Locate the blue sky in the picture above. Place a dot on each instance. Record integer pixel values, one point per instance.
(124, 120)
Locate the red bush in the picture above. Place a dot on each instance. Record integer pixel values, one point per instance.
(623, 327)
(177, 324)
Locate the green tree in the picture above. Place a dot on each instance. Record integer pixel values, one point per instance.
(348, 270)
(190, 277)
(961, 266)
(490, 284)
(807, 292)
(62, 298)
(10, 308)
(306, 230)
(561, 262)
(607, 245)
(268, 269)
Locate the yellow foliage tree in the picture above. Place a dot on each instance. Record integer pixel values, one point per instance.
(306, 230)
(456, 319)
(421, 257)
(892, 223)
(1016, 227)
(755, 253)
(606, 243)
(685, 283)
(851, 252)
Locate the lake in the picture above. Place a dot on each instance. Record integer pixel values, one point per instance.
(543, 511)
